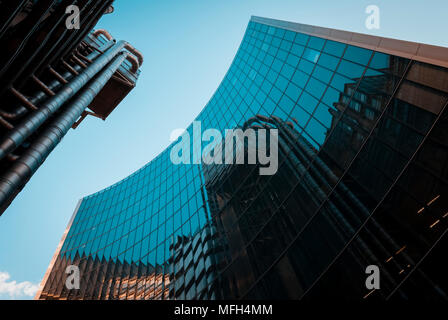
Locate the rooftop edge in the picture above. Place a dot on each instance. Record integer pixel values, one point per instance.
(426, 53)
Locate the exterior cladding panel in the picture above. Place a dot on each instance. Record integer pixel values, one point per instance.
(362, 180)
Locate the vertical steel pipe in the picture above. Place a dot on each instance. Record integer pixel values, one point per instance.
(55, 85)
(9, 12)
(24, 167)
(15, 137)
(24, 65)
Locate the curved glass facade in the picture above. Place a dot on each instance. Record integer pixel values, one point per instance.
(362, 180)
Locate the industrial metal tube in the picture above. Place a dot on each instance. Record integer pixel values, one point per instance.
(54, 85)
(13, 11)
(57, 41)
(134, 51)
(33, 22)
(20, 69)
(93, 16)
(104, 32)
(18, 135)
(24, 167)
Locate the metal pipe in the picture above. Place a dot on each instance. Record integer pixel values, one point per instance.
(24, 167)
(23, 99)
(67, 38)
(15, 137)
(82, 57)
(53, 86)
(6, 124)
(11, 13)
(25, 64)
(104, 32)
(17, 113)
(69, 67)
(93, 16)
(20, 110)
(101, 50)
(90, 47)
(57, 40)
(77, 61)
(134, 62)
(58, 76)
(129, 47)
(12, 157)
(43, 86)
(136, 53)
(30, 25)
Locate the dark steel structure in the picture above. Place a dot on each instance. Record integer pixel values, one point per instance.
(50, 77)
(362, 180)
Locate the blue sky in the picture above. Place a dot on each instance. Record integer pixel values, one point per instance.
(188, 46)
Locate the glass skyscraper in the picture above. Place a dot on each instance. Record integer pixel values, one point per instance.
(362, 180)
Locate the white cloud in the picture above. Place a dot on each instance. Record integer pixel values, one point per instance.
(176, 133)
(13, 289)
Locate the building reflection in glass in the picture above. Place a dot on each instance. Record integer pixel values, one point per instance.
(362, 180)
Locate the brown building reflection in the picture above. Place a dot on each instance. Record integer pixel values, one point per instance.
(362, 180)
(106, 280)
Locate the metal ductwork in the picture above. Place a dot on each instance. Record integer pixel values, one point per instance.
(25, 166)
(131, 49)
(136, 53)
(18, 135)
(51, 78)
(54, 85)
(105, 33)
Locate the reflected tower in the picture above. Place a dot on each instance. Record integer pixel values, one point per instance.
(362, 180)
